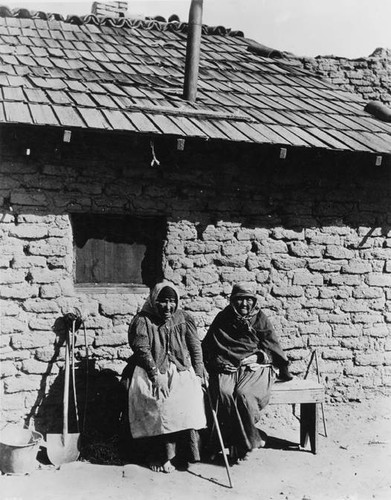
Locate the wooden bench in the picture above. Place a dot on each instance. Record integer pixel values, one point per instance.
(309, 394)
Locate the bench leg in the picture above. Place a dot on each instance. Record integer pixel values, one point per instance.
(309, 425)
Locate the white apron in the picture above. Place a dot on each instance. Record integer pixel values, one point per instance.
(182, 409)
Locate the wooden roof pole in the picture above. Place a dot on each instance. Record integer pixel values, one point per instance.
(193, 49)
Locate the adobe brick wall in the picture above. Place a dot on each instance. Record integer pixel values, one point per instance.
(313, 232)
(368, 76)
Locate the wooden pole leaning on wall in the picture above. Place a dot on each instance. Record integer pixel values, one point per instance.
(314, 356)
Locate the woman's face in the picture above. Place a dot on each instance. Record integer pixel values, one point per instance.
(166, 307)
(244, 305)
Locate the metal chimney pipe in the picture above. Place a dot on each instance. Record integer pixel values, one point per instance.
(193, 49)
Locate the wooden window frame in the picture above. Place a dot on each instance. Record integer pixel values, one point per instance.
(97, 232)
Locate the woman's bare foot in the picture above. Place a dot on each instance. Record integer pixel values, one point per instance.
(244, 458)
(239, 456)
(263, 439)
(156, 466)
(168, 467)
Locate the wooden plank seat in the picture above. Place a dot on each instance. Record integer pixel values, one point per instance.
(309, 394)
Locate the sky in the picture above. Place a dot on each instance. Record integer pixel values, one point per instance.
(345, 28)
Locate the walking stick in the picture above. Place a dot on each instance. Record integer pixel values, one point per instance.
(216, 422)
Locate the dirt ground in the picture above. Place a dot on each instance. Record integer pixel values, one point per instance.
(353, 463)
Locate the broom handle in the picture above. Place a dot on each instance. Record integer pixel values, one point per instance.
(66, 389)
(73, 375)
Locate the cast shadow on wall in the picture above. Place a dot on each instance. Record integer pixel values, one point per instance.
(95, 412)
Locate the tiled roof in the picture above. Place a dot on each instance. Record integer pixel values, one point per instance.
(127, 75)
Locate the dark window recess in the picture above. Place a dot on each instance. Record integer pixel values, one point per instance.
(118, 249)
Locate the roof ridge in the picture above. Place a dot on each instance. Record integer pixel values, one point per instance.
(152, 23)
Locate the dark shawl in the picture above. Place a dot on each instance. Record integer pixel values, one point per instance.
(231, 338)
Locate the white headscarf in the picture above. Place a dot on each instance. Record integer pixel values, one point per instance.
(150, 305)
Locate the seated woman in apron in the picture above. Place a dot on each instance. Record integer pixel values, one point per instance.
(242, 354)
(165, 398)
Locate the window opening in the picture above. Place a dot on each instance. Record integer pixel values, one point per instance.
(118, 249)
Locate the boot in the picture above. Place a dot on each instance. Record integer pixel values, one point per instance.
(285, 374)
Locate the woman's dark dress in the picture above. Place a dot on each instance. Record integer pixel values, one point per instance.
(241, 395)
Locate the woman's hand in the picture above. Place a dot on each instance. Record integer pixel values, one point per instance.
(204, 378)
(160, 386)
(227, 368)
(254, 361)
(253, 366)
(249, 360)
(222, 367)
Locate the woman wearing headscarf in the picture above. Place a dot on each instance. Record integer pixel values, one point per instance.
(242, 354)
(165, 398)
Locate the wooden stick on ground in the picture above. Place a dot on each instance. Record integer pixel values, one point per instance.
(216, 422)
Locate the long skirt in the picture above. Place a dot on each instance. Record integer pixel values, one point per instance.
(240, 398)
(167, 426)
